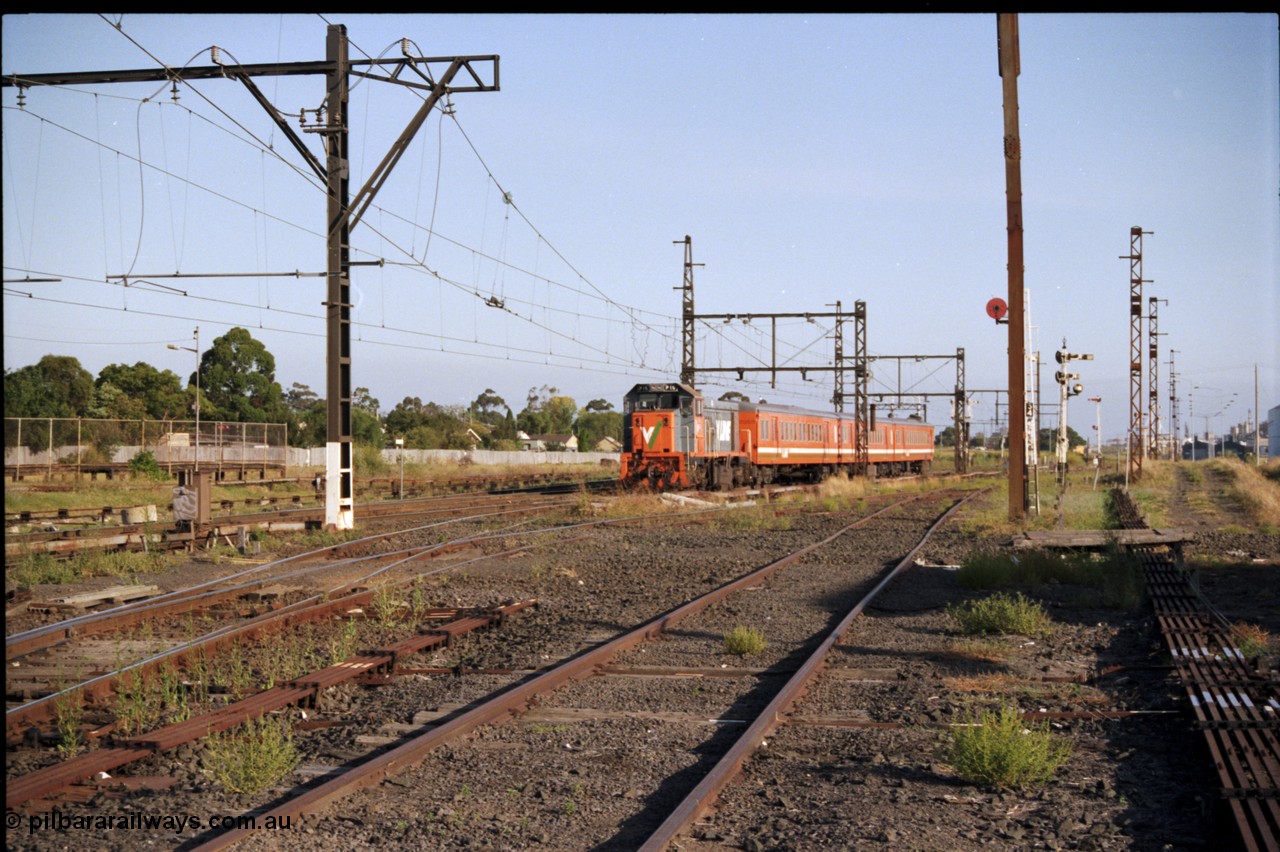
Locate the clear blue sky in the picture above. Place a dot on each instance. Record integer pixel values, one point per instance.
(811, 158)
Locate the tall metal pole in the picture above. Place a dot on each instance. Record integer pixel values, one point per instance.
(1153, 392)
(688, 364)
(861, 401)
(1007, 44)
(339, 508)
(1175, 453)
(961, 415)
(197, 445)
(1137, 446)
(197, 353)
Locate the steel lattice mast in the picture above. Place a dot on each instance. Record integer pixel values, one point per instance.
(1137, 446)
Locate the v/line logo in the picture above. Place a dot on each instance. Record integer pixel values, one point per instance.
(650, 433)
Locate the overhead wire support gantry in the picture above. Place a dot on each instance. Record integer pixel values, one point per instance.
(460, 74)
(689, 368)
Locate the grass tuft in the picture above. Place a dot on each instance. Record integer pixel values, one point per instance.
(1001, 750)
(744, 641)
(1251, 640)
(253, 757)
(1002, 613)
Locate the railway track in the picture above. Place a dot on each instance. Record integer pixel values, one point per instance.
(770, 702)
(160, 633)
(1236, 707)
(53, 779)
(165, 535)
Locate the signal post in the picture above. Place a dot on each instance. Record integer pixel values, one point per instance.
(1069, 387)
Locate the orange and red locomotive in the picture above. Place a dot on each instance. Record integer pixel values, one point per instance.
(675, 437)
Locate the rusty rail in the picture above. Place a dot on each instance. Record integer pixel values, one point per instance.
(701, 798)
(303, 691)
(518, 698)
(1238, 711)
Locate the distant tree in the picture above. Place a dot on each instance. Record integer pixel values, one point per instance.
(300, 397)
(946, 437)
(111, 403)
(534, 419)
(311, 426)
(428, 425)
(489, 408)
(599, 405)
(366, 428)
(561, 412)
(55, 386)
(364, 401)
(1047, 440)
(237, 375)
(138, 391)
(735, 396)
(592, 426)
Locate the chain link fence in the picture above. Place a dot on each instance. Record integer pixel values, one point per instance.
(33, 444)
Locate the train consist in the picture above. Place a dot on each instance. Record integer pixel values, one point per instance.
(675, 437)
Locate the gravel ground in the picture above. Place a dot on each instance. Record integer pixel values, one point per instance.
(600, 763)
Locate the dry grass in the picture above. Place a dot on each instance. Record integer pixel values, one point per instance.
(981, 650)
(1252, 640)
(1256, 495)
(841, 487)
(1003, 683)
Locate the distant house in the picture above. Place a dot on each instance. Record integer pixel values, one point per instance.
(567, 442)
(608, 444)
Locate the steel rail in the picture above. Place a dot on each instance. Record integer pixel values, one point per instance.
(18, 719)
(701, 798)
(1238, 711)
(124, 535)
(315, 607)
(303, 690)
(517, 698)
(179, 601)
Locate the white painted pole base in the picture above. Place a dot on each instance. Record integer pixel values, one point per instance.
(339, 514)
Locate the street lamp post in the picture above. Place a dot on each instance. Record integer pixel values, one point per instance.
(400, 447)
(196, 350)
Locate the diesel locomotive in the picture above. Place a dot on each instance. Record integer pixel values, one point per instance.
(674, 437)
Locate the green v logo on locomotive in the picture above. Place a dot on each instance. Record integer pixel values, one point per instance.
(651, 433)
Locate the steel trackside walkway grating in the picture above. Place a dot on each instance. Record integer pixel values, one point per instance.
(1237, 709)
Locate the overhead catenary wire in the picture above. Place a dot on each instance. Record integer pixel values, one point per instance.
(637, 319)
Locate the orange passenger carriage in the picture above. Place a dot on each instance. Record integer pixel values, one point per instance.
(675, 437)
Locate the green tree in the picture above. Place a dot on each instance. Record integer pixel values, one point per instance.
(488, 407)
(366, 428)
(428, 425)
(311, 426)
(238, 377)
(592, 426)
(364, 401)
(1048, 440)
(300, 397)
(561, 412)
(138, 391)
(734, 396)
(55, 386)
